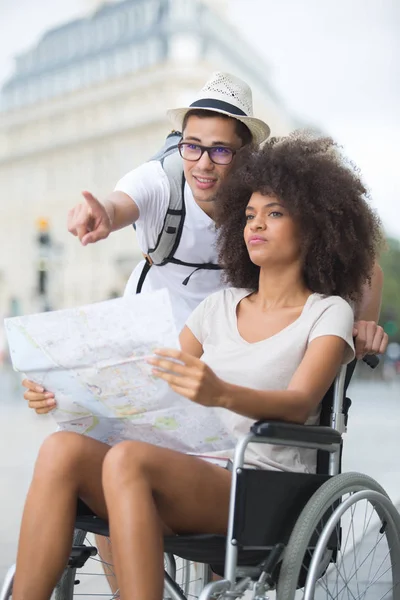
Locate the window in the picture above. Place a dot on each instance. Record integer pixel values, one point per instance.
(149, 12)
(122, 60)
(85, 39)
(183, 10)
(153, 51)
(102, 33)
(101, 69)
(18, 97)
(90, 71)
(114, 29)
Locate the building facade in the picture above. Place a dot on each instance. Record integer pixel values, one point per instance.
(86, 105)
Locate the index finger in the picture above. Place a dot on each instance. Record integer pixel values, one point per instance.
(91, 201)
(171, 352)
(184, 357)
(31, 385)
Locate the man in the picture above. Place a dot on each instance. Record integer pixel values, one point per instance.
(219, 123)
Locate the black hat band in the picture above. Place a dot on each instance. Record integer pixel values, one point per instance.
(218, 104)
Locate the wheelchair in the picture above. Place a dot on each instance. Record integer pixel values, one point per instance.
(298, 536)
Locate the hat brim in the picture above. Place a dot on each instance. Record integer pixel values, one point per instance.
(259, 130)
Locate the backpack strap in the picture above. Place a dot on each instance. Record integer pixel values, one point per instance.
(171, 232)
(170, 235)
(170, 146)
(145, 270)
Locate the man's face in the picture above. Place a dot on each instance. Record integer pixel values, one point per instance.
(203, 176)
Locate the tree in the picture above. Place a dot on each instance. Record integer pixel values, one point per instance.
(390, 313)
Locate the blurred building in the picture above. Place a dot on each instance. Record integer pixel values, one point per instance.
(86, 105)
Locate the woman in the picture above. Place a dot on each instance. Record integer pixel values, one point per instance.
(297, 240)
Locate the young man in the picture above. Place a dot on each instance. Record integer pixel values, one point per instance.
(217, 124)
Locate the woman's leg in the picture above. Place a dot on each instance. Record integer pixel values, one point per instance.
(68, 465)
(150, 491)
(103, 545)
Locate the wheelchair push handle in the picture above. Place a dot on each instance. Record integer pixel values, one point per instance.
(371, 360)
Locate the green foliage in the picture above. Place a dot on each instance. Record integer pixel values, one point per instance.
(390, 313)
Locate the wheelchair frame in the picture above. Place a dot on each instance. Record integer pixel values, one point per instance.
(318, 437)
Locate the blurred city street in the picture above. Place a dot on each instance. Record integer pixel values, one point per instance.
(371, 447)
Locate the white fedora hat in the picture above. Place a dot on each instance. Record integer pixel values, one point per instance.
(228, 95)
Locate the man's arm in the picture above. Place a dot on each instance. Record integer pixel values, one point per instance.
(144, 186)
(369, 306)
(122, 210)
(93, 220)
(370, 338)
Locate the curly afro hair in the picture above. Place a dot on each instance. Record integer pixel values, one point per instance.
(340, 235)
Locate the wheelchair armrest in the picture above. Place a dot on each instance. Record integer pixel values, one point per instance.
(296, 433)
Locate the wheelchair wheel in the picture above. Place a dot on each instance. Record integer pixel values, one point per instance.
(345, 544)
(91, 580)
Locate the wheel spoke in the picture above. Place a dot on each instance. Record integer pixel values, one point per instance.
(347, 581)
(354, 509)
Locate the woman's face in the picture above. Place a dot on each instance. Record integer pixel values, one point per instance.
(270, 234)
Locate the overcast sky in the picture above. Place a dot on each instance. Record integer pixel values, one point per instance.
(334, 62)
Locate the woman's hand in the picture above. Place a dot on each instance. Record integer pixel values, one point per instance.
(38, 399)
(189, 377)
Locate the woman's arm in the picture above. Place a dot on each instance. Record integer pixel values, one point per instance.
(305, 391)
(193, 379)
(189, 343)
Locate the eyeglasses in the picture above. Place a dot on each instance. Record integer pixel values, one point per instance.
(219, 155)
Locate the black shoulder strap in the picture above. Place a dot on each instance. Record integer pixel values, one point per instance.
(170, 234)
(145, 270)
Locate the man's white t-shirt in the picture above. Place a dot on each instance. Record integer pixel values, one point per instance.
(149, 188)
(268, 364)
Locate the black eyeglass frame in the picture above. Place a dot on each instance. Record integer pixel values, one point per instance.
(205, 149)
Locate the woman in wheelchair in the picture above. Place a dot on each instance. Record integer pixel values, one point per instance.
(298, 240)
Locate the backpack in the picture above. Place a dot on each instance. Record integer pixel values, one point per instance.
(170, 234)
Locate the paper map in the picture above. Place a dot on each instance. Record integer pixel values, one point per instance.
(93, 359)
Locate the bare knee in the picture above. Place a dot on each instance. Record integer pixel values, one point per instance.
(126, 462)
(61, 452)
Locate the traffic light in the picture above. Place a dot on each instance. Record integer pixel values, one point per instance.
(44, 249)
